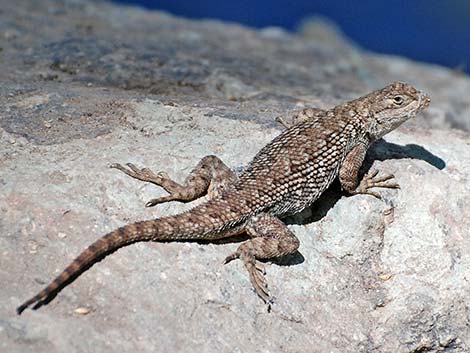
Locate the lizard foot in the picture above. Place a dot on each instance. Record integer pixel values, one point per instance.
(210, 176)
(372, 181)
(256, 272)
(284, 123)
(145, 174)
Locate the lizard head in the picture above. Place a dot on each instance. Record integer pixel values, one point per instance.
(393, 105)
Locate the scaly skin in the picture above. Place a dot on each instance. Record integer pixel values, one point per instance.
(285, 177)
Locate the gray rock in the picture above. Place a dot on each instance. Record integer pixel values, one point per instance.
(85, 84)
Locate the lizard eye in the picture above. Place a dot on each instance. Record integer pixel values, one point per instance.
(398, 100)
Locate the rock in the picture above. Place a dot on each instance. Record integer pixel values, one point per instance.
(86, 84)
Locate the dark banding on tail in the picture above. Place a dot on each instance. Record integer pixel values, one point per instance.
(141, 231)
(198, 223)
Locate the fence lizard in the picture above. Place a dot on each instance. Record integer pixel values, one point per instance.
(285, 177)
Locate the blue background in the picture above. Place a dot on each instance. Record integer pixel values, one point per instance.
(436, 31)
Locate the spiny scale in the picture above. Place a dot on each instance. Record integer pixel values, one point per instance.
(285, 177)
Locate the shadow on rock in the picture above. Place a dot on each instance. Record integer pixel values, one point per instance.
(383, 150)
(289, 260)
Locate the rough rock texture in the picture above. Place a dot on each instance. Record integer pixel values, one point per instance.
(85, 84)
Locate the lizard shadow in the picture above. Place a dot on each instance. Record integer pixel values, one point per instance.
(383, 150)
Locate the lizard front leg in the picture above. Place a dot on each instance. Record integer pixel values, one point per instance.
(210, 176)
(349, 170)
(270, 239)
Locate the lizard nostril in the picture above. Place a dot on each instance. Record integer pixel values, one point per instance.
(424, 98)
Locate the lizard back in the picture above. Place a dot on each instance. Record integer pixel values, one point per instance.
(294, 169)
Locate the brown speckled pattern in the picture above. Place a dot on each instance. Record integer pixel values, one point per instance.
(285, 177)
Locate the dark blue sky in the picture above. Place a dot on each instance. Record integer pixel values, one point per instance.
(436, 31)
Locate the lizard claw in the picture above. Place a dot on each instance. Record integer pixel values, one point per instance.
(259, 282)
(256, 271)
(145, 174)
(372, 181)
(162, 174)
(231, 257)
(284, 123)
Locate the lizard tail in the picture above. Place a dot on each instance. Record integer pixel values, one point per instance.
(184, 226)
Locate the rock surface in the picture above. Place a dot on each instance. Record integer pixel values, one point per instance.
(85, 84)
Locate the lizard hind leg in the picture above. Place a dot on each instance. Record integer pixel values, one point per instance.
(270, 239)
(210, 176)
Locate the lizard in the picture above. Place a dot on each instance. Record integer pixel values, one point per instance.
(303, 115)
(285, 177)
